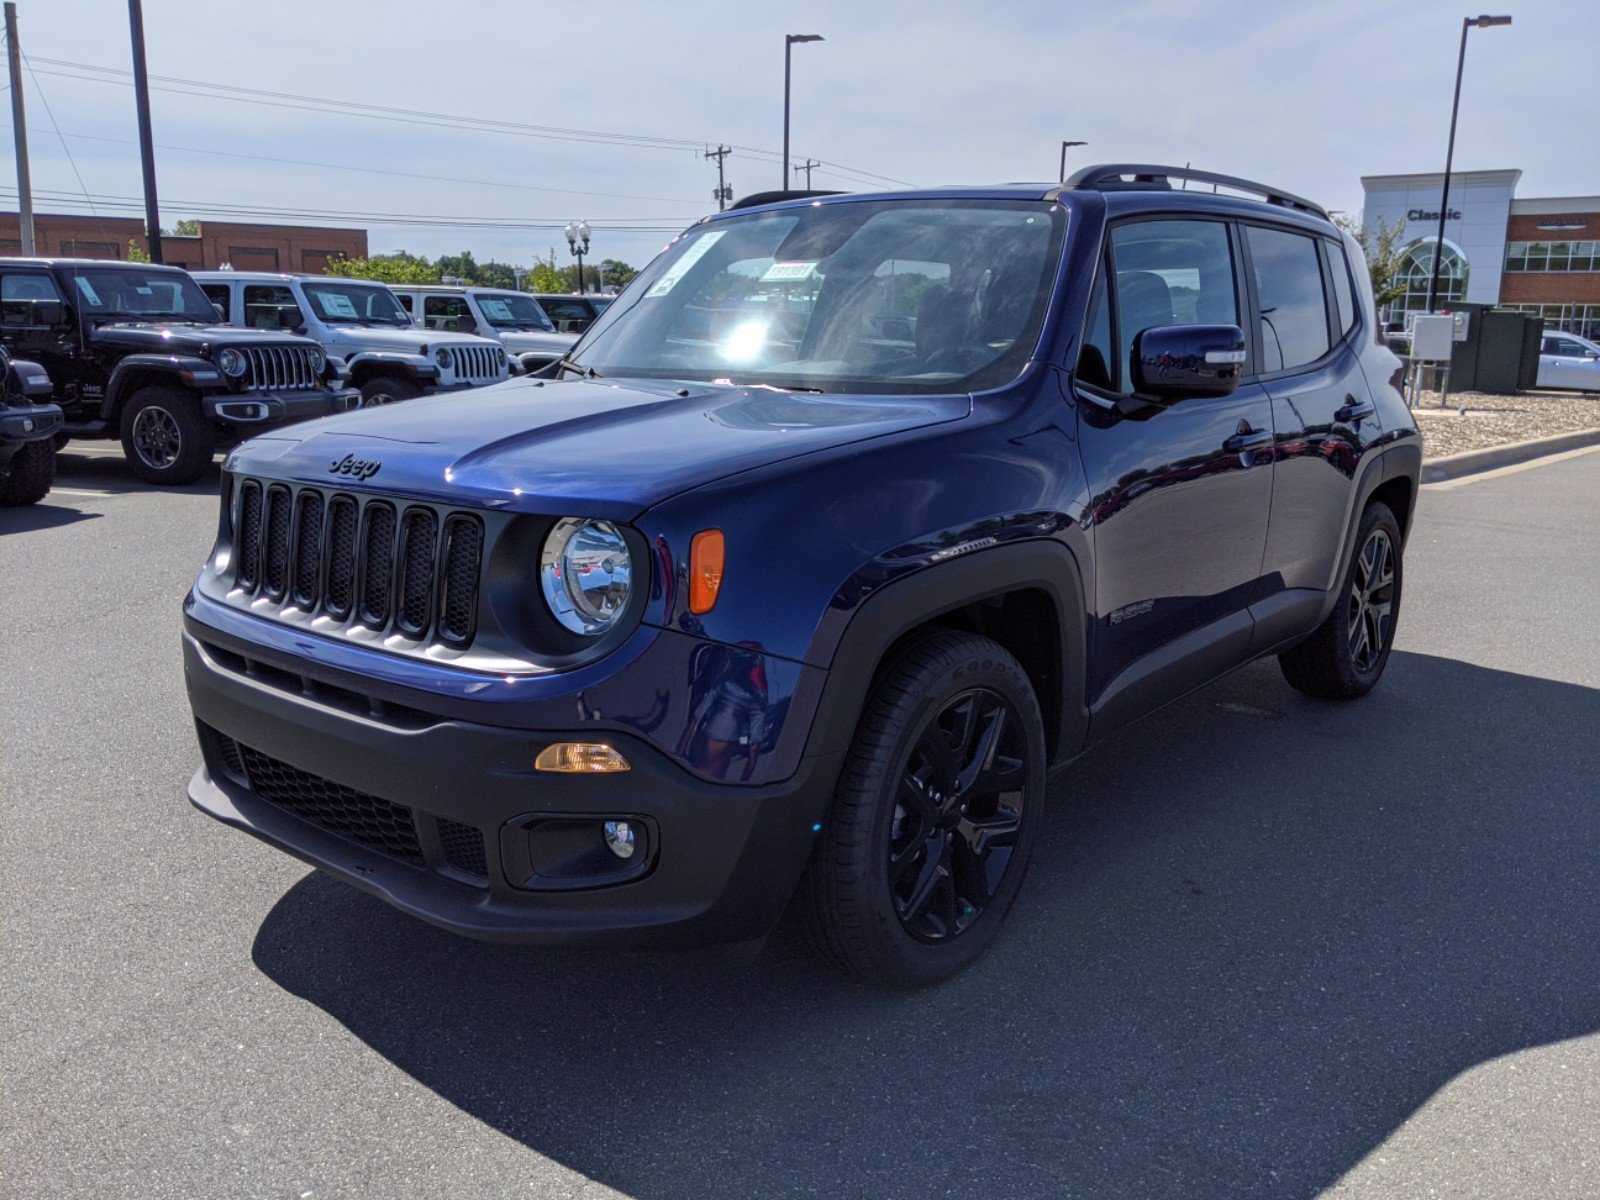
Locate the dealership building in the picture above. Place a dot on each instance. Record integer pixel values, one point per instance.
(244, 247)
(1533, 255)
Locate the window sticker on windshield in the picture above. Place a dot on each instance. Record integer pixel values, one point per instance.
(336, 305)
(788, 272)
(685, 261)
(495, 310)
(89, 294)
(143, 289)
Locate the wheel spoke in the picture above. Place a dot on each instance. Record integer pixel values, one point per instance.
(935, 869)
(983, 754)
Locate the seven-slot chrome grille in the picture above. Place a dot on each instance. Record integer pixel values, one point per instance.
(344, 562)
(281, 368)
(480, 364)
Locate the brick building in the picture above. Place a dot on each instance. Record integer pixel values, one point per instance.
(1536, 255)
(244, 247)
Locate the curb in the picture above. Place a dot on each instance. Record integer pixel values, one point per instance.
(1473, 461)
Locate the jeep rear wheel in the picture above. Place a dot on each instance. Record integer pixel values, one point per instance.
(386, 389)
(935, 815)
(29, 474)
(165, 436)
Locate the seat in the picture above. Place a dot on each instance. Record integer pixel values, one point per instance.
(1144, 301)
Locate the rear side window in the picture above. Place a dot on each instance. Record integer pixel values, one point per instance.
(1294, 308)
(1343, 292)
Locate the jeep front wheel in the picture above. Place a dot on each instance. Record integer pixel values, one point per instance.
(935, 815)
(386, 389)
(29, 474)
(166, 437)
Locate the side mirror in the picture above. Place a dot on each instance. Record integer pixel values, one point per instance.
(1175, 362)
(28, 379)
(221, 315)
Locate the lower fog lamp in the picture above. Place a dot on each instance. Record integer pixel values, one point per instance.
(619, 838)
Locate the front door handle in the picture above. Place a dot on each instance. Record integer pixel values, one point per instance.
(1247, 440)
(1354, 410)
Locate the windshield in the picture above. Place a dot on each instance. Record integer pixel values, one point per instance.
(862, 296)
(354, 303)
(512, 310)
(145, 294)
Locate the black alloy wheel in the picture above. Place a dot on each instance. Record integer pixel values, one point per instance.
(957, 815)
(166, 437)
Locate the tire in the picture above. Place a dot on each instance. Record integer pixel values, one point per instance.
(1346, 655)
(387, 389)
(29, 474)
(903, 827)
(166, 437)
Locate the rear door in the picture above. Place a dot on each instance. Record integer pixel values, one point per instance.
(1323, 416)
(36, 323)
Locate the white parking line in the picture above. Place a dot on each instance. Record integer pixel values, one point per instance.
(68, 491)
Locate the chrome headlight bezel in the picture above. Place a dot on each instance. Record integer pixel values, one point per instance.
(442, 356)
(231, 362)
(573, 547)
(319, 359)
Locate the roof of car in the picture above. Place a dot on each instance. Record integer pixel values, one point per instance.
(85, 262)
(220, 274)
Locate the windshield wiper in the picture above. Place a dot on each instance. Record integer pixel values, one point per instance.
(582, 371)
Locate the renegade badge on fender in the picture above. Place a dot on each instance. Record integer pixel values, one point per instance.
(847, 519)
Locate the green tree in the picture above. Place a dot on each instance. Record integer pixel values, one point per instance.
(398, 267)
(135, 253)
(546, 276)
(1386, 256)
(616, 274)
(188, 227)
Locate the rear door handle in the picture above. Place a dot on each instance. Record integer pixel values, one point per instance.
(1353, 410)
(1248, 440)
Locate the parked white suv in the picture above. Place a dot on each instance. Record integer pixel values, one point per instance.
(362, 325)
(514, 319)
(1568, 361)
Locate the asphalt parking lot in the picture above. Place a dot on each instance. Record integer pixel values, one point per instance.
(1270, 947)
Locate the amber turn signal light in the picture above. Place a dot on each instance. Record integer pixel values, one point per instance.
(579, 758)
(707, 551)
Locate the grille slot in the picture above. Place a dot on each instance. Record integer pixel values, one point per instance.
(342, 527)
(249, 545)
(308, 549)
(280, 368)
(377, 564)
(366, 820)
(418, 541)
(463, 848)
(478, 363)
(458, 604)
(276, 573)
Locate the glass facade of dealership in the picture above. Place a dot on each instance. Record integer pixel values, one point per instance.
(1534, 255)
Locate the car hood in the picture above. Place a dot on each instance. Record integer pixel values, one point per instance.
(156, 338)
(588, 448)
(351, 339)
(521, 341)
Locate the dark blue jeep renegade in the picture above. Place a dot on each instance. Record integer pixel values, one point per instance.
(850, 517)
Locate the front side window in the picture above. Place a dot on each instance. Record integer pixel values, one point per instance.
(1294, 308)
(1177, 272)
(140, 293)
(353, 303)
(220, 294)
(449, 314)
(270, 306)
(570, 316)
(512, 310)
(861, 296)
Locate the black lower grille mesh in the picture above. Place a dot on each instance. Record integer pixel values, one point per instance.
(463, 847)
(367, 820)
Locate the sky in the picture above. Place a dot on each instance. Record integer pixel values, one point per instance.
(604, 109)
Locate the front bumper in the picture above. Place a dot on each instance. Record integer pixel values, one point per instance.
(266, 409)
(20, 425)
(721, 859)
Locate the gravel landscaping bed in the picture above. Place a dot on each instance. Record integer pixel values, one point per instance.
(1496, 420)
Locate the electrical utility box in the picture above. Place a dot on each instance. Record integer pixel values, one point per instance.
(1500, 353)
(1432, 338)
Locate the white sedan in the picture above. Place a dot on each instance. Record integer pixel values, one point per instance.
(1569, 361)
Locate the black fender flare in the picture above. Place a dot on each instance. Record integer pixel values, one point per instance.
(187, 371)
(897, 608)
(1380, 465)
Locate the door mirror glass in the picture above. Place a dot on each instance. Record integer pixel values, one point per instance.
(1173, 362)
(221, 316)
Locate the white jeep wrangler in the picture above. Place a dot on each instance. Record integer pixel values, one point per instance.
(514, 319)
(361, 324)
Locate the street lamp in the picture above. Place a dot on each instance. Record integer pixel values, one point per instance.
(789, 39)
(578, 243)
(1064, 145)
(1482, 22)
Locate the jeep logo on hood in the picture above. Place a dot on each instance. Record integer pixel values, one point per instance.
(356, 468)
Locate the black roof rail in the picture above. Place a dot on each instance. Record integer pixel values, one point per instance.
(755, 198)
(1108, 177)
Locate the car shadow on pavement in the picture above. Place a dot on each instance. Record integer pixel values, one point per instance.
(49, 513)
(1260, 933)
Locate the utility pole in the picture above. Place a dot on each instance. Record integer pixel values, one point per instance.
(147, 150)
(806, 167)
(19, 125)
(724, 193)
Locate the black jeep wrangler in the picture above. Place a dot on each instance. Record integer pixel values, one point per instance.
(28, 427)
(137, 351)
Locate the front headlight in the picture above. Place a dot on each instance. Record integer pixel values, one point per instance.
(231, 363)
(442, 357)
(318, 360)
(586, 573)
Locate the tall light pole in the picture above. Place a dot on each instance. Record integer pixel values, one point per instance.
(1064, 145)
(147, 149)
(789, 39)
(578, 243)
(19, 126)
(1482, 22)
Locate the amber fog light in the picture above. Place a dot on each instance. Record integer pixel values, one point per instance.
(580, 758)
